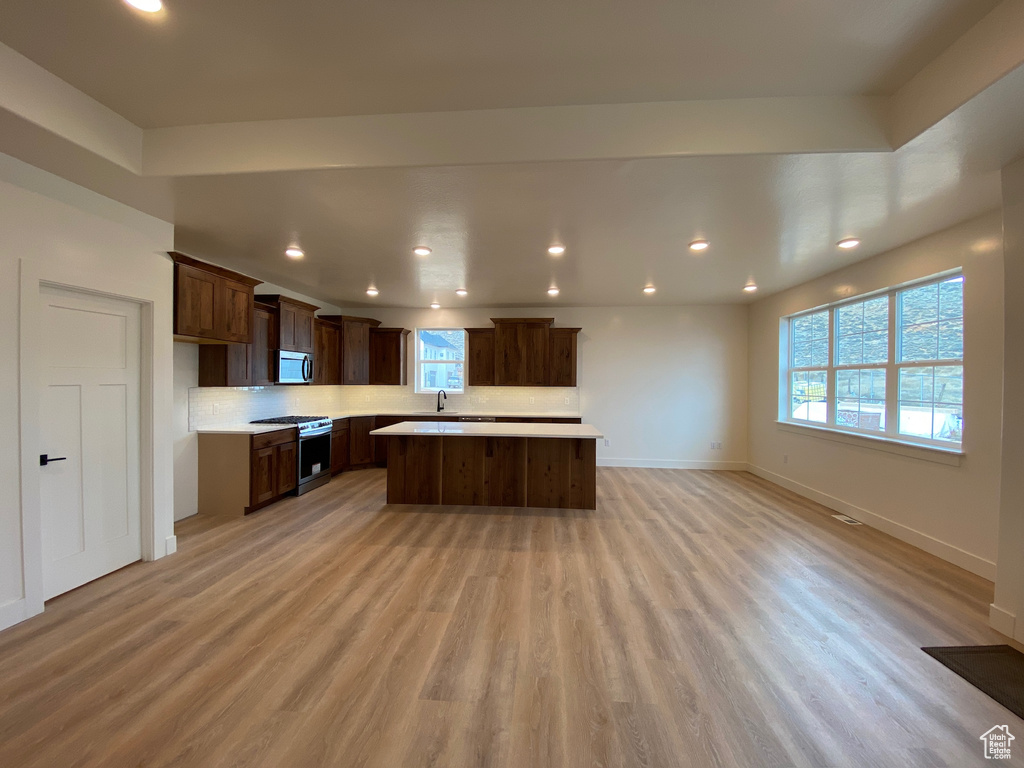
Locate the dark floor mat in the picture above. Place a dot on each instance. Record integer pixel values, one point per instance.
(998, 670)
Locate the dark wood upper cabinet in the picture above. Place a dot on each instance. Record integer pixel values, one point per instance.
(264, 341)
(388, 356)
(294, 322)
(521, 351)
(211, 302)
(326, 352)
(355, 346)
(562, 357)
(480, 357)
(225, 365)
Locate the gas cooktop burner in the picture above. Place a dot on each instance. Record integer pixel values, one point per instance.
(290, 420)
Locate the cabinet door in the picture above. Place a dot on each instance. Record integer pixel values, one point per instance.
(339, 450)
(360, 443)
(195, 302)
(287, 467)
(325, 353)
(534, 344)
(380, 444)
(521, 353)
(480, 357)
(263, 475)
(286, 328)
(356, 353)
(562, 357)
(508, 355)
(303, 339)
(235, 308)
(262, 344)
(388, 356)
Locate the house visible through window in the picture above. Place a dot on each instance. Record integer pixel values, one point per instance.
(890, 364)
(440, 359)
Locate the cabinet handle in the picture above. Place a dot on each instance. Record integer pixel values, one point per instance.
(45, 459)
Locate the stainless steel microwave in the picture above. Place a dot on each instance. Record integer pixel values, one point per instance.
(294, 367)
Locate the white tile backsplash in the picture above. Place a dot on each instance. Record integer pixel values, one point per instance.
(223, 406)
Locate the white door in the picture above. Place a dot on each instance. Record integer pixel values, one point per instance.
(90, 422)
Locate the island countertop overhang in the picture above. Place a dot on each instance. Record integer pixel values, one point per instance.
(487, 429)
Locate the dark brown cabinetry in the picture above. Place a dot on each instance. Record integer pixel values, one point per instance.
(562, 357)
(339, 446)
(326, 352)
(211, 302)
(273, 470)
(480, 357)
(294, 322)
(388, 356)
(355, 346)
(361, 445)
(241, 365)
(521, 351)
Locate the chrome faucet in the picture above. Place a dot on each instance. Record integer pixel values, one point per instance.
(440, 405)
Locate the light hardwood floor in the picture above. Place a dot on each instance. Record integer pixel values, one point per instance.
(694, 619)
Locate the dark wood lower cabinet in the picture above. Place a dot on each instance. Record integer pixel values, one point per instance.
(493, 471)
(273, 469)
(339, 446)
(287, 467)
(361, 445)
(263, 476)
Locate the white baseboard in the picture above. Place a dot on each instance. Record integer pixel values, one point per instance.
(966, 560)
(738, 466)
(1001, 620)
(13, 613)
(171, 545)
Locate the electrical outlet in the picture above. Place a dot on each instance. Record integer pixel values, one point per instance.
(785, 458)
(216, 408)
(567, 401)
(531, 401)
(367, 398)
(607, 443)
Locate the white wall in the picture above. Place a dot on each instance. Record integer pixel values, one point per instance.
(58, 232)
(951, 511)
(1009, 597)
(661, 382)
(186, 444)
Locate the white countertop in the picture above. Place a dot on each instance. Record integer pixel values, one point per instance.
(259, 429)
(489, 429)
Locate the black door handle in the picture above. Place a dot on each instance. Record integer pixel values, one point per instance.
(45, 459)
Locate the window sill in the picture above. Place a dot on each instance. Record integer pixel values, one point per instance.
(949, 456)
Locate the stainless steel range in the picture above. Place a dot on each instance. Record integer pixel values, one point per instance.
(314, 464)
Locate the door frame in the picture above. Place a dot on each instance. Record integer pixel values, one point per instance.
(31, 280)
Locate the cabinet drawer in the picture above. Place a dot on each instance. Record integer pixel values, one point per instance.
(277, 437)
(339, 424)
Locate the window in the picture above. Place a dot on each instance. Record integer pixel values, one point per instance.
(890, 364)
(440, 359)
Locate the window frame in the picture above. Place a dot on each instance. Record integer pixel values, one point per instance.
(419, 362)
(892, 368)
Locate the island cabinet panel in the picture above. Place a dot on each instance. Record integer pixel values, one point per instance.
(414, 470)
(561, 473)
(562, 357)
(294, 319)
(480, 357)
(361, 445)
(326, 353)
(505, 471)
(521, 351)
(388, 356)
(264, 341)
(463, 472)
(211, 302)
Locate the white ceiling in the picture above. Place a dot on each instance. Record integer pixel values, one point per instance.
(235, 60)
(772, 215)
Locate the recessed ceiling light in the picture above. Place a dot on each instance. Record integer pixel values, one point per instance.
(552, 291)
(699, 245)
(372, 292)
(461, 292)
(421, 250)
(435, 305)
(750, 287)
(848, 242)
(556, 250)
(149, 6)
(294, 252)
(649, 289)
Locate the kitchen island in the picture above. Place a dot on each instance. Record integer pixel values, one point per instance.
(490, 464)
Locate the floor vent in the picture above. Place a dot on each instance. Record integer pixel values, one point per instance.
(847, 519)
